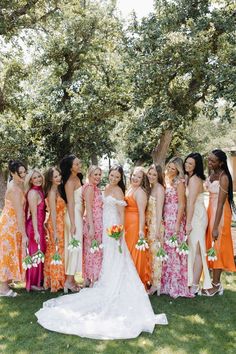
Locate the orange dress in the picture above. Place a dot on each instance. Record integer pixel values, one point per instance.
(141, 258)
(54, 274)
(10, 245)
(224, 243)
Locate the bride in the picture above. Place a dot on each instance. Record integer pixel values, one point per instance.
(117, 307)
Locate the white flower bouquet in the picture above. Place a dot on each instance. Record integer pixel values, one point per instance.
(56, 258)
(211, 253)
(141, 244)
(74, 245)
(161, 254)
(27, 262)
(95, 246)
(38, 257)
(183, 248)
(172, 241)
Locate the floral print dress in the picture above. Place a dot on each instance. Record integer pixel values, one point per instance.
(174, 279)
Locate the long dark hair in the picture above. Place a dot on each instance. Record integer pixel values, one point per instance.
(14, 166)
(198, 169)
(65, 167)
(48, 178)
(222, 157)
(160, 176)
(119, 168)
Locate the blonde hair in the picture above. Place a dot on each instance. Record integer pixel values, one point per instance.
(145, 182)
(178, 162)
(28, 183)
(91, 169)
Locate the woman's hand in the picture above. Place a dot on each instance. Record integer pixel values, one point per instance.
(215, 234)
(188, 229)
(37, 237)
(177, 228)
(91, 232)
(24, 241)
(55, 236)
(72, 230)
(141, 234)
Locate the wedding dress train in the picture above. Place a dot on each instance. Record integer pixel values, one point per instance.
(117, 307)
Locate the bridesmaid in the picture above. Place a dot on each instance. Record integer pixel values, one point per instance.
(174, 279)
(54, 274)
(154, 223)
(136, 199)
(196, 223)
(72, 194)
(12, 230)
(92, 224)
(35, 217)
(220, 188)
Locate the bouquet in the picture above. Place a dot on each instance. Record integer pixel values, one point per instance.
(95, 246)
(172, 241)
(74, 245)
(183, 248)
(56, 258)
(38, 257)
(142, 244)
(116, 231)
(161, 253)
(211, 253)
(27, 262)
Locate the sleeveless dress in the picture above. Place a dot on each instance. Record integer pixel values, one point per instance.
(174, 279)
(198, 236)
(73, 260)
(92, 262)
(224, 244)
(117, 307)
(54, 274)
(34, 276)
(10, 245)
(156, 265)
(141, 259)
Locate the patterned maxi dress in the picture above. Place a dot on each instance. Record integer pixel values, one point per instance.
(174, 279)
(54, 274)
(34, 276)
(10, 245)
(92, 262)
(156, 265)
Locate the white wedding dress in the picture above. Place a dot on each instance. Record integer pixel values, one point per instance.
(117, 307)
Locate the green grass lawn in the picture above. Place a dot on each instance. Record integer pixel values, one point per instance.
(200, 325)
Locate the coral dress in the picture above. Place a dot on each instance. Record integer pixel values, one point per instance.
(54, 274)
(224, 244)
(141, 258)
(34, 276)
(156, 265)
(198, 237)
(10, 245)
(92, 262)
(174, 279)
(74, 259)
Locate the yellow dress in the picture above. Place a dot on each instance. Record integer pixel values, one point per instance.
(156, 265)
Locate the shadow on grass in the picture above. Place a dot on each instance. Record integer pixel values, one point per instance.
(199, 325)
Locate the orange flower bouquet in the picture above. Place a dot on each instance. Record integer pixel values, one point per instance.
(116, 232)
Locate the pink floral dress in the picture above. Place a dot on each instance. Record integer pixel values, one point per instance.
(174, 279)
(92, 262)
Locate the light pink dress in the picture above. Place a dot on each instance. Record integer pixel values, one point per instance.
(92, 262)
(174, 279)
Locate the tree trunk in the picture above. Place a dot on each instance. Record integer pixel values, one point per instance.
(160, 151)
(94, 159)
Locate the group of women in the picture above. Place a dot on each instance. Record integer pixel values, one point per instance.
(155, 208)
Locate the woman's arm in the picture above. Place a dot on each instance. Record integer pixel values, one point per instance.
(121, 209)
(194, 187)
(18, 205)
(69, 189)
(160, 197)
(52, 199)
(88, 197)
(224, 185)
(181, 205)
(141, 199)
(33, 199)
